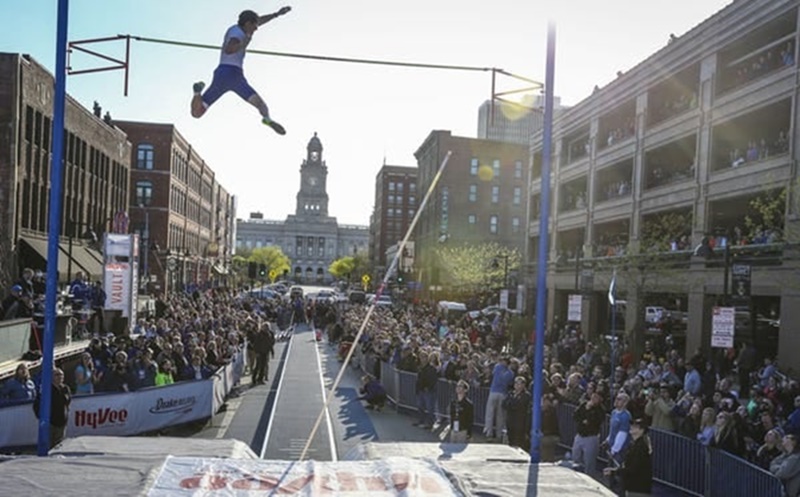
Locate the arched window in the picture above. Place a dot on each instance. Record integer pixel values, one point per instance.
(144, 193)
(144, 156)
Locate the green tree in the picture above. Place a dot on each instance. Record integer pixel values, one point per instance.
(471, 267)
(342, 268)
(766, 214)
(273, 257)
(651, 266)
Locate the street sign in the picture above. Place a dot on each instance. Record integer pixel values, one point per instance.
(272, 275)
(741, 282)
(574, 307)
(723, 327)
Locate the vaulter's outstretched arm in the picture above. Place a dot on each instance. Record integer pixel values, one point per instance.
(267, 18)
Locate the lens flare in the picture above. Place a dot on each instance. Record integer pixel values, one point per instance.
(513, 111)
(485, 173)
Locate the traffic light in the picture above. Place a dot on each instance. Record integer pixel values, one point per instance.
(252, 268)
(262, 270)
(400, 277)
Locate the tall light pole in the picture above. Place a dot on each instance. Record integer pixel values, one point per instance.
(541, 267)
(54, 226)
(146, 243)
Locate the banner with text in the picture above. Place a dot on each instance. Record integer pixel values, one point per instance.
(141, 411)
(130, 413)
(232, 477)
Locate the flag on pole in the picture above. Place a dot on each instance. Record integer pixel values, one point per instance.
(612, 289)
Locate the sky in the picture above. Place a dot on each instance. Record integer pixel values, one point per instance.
(364, 115)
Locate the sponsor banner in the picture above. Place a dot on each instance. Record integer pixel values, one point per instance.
(240, 477)
(140, 411)
(117, 285)
(124, 414)
(20, 426)
(227, 378)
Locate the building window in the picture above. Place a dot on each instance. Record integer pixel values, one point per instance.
(495, 194)
(399, 187)
(144, 156)
(412, 200)
(391, 186)
(144, 192)
(515, 224)
(493, 225)
(412, 187)
(517, 195)
(518, 169)
(473, 166)
(410, 214)
(496, 169)
(473, 193)
(390, 212)
(472, 219)
(390, 199)
(399, 199)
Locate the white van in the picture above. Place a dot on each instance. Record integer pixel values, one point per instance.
(451, 311)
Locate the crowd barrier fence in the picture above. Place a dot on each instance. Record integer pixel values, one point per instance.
(128, 413)
(678, 462)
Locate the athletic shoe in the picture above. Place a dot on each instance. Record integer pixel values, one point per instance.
(198, 87)
(274, 125)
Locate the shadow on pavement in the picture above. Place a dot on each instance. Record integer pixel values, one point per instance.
(353, 416)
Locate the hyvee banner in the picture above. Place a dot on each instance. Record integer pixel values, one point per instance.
(141, 411)
(124, 414)
(231, 477)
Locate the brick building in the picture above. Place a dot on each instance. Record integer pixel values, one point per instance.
(96, 173)
(396, 201)
(469, 206)
(190, 216)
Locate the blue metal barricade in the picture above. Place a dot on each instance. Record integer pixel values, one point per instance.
(733, 475)
(407, 391)
(689, 466)
(679, 462)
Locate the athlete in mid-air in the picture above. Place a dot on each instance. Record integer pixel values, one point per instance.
(229, 75)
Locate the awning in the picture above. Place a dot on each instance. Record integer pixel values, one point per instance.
(39, 247)
(84, 261)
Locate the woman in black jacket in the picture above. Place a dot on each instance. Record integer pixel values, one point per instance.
(637, 469)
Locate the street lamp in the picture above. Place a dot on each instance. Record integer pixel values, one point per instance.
(146, 245)
(87, 235)
(496, 265)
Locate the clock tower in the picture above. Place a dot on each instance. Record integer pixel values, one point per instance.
(312, 199)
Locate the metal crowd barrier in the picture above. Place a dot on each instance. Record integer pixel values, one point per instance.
(691, 467)
(678, 462)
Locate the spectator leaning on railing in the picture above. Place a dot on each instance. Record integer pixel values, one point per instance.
(787, 466)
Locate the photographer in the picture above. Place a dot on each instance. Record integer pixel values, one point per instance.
(637, 469)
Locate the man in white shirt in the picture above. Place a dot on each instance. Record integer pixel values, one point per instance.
(229, 75)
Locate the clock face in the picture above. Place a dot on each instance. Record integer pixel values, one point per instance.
(314, 156)
(312, 180)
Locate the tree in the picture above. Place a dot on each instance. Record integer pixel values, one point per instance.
(472, 268)
(651, 264)
(342, 268)
(273, 257)
(350, 268)
(766, 214)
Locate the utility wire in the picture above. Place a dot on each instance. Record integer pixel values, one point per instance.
(329, 58)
